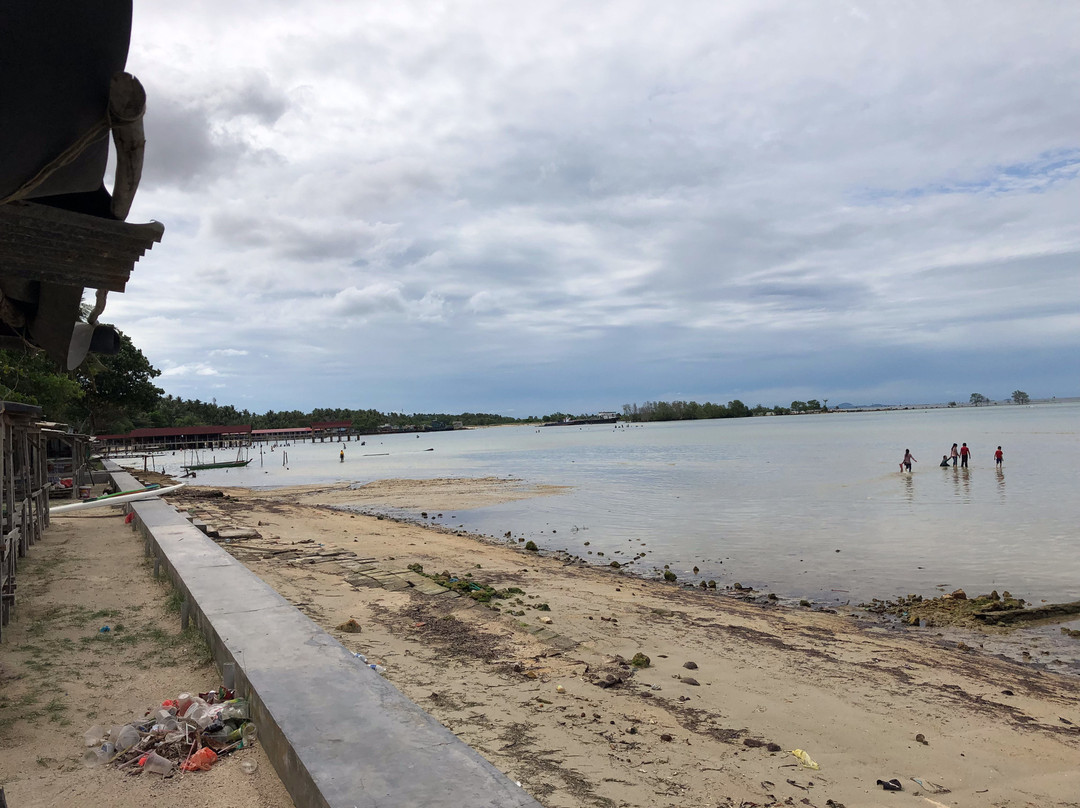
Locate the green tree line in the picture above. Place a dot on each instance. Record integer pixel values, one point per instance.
(115, 394)
(684, 411)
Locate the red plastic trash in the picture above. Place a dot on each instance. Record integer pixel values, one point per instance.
(200, 761)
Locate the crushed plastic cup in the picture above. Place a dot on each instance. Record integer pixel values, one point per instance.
(156, 764)
(248, 733)
(199, 714)
(94, 736)
(249, 765)
(103, 754)
(127, 738)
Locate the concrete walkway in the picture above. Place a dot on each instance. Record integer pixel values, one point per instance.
(338, 734)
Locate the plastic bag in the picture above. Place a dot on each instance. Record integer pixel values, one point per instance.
(807, 761)
(200, 761)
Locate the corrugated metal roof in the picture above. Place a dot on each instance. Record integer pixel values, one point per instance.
(331, 424)
(283, 429)
(43, 243)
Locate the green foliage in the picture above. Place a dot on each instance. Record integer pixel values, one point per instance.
(36, 379)
(684, 411)
(978, 398)
(1020, 397)
(118, 390)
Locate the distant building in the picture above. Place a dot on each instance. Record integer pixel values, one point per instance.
(173, 438)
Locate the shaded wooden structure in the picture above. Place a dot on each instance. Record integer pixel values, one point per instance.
(67, 462)
(61, 231)
(294, 434)
(156, 439)
(24, 493)
(331, 430)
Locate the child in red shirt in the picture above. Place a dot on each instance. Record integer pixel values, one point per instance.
(999, 456)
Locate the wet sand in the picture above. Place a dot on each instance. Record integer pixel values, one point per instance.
(541, 683)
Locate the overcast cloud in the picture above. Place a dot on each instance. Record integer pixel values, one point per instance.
(523, 207)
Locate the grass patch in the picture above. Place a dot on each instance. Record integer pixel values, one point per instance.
(174, 601)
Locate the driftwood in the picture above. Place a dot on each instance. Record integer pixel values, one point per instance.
(1027, 615)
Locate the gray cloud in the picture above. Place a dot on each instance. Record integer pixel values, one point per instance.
(716, 198)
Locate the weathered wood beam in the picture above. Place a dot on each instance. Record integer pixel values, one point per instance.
(127, 105)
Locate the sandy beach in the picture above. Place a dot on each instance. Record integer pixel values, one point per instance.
(541, 682)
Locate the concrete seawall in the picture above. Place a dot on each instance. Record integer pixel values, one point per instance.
(337, 733)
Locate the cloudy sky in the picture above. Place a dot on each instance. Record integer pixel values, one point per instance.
(526, 207)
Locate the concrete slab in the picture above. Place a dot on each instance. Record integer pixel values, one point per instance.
(338, 734)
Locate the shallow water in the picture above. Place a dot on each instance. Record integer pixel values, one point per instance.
(809, 506)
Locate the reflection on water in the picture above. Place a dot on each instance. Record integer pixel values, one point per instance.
(805, 505)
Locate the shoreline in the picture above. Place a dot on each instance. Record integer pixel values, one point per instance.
(1038, 643)
(541, 682)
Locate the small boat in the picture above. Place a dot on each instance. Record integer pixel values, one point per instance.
(197, 465)
(116, 499)
(226, 464)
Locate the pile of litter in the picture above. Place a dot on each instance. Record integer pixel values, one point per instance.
(189, 732)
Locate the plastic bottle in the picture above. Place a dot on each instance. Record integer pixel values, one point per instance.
(248, 733)
(234, 710)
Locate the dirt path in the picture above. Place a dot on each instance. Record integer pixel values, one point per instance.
(60, 674)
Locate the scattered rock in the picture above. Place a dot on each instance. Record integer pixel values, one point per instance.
(920, 738)
(545, 620)
(690, 666)
(753, 743)
(958, 594)
(350, 626)
(669, 575)
(774, 747)
(531, 546)
(640, 660)
(690, 680)
(666, 738)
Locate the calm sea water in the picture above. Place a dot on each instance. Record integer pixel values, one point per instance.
(809, 506)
